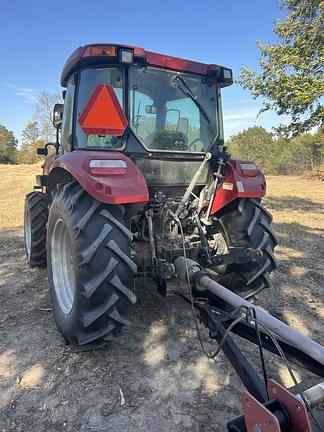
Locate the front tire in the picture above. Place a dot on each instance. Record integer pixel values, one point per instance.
(35, 220)
(90, 271)
(246, 223)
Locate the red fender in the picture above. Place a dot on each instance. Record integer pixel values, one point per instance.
(242, 180)
(119, 186)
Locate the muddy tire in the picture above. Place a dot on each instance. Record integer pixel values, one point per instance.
(35, 220)
(245, 223)
(90, 271)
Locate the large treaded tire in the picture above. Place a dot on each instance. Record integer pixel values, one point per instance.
(35, 220)
(103, 269)
(246, 223)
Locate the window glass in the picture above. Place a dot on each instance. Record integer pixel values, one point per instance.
(67, 116)
(88, 80)
(171, 111)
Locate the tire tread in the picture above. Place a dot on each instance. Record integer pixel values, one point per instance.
(37, 205)
(246, 223)
(104, 269)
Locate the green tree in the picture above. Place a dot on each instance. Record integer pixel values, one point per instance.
(310, 149)
(291, 78)
(305, 153)
(8, 146)
(255, 144)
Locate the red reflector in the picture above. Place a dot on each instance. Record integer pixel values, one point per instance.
(249, 169)
(103, 172)
(250, 173)
(102, 114)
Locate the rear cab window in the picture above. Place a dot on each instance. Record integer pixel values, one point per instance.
(89, 78)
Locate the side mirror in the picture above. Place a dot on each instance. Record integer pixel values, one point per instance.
(58, 115)
(42, 151)
(150, 109)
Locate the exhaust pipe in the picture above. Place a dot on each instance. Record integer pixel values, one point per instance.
(286, 333)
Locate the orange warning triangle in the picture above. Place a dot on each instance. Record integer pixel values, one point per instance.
(102, 114)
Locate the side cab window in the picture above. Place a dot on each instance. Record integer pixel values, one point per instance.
(67, 123)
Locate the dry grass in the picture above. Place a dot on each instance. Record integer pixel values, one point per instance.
(157, 364)
(296, 199)
(287, 196)
(15, 182)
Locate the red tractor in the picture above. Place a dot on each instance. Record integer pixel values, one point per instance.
(140, 176)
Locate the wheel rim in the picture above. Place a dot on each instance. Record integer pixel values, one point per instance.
(62, 266)
(27, 232)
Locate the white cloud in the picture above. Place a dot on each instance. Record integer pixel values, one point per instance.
(241, 115)
(239, 102)
(26, 93)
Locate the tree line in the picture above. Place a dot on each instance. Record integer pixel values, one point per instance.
(277, 154)
(36, 133)
(290, 82)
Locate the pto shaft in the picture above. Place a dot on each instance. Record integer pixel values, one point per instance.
(286, 333)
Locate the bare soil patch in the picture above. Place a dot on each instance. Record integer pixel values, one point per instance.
(154, 378)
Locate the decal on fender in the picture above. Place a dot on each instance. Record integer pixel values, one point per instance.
(240, 186)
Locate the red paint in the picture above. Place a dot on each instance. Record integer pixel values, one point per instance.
(130, 187)
(254, 187)
(257, 414)
(296, 409)
(48, 163)
(102, 114)
(148, 57)
(179, 64)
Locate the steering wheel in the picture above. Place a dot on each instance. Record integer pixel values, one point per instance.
(193, 142)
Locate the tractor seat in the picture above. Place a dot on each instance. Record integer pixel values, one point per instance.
(167, 140)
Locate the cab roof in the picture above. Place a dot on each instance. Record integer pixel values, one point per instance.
(113, 53)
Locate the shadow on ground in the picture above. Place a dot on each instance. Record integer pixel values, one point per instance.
(155, 377)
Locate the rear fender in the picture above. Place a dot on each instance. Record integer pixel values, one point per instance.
(242, 180)
(113, 188)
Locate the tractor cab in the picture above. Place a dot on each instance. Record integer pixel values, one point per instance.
(162, 111)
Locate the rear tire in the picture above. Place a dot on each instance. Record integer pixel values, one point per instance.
(90, 271)
(35, 220)
(245, 223)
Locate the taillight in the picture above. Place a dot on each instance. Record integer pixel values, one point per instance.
(104, 167)
(249, 169)
(100, 51)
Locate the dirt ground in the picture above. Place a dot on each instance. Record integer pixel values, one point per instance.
(155, 377)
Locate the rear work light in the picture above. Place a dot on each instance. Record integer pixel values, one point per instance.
(126, 56)
(100, 51)
(249, 169)
(227, 73)
(103, 167)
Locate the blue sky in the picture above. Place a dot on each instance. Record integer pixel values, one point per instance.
(37, 36)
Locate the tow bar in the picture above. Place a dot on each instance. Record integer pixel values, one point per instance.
(267, 406)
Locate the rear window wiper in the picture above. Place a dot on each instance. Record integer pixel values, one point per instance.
(186, 90)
